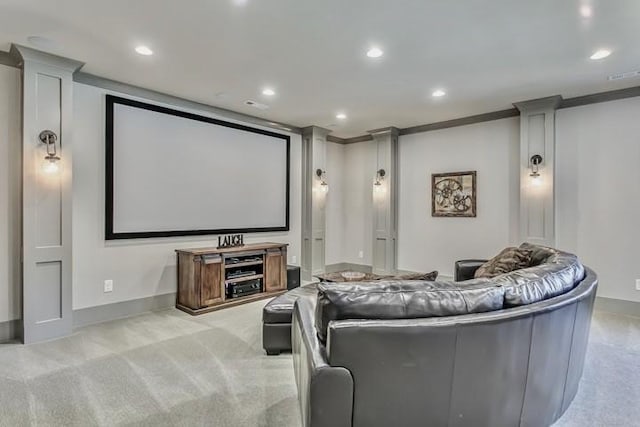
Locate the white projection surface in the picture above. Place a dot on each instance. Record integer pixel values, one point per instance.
(176, 175)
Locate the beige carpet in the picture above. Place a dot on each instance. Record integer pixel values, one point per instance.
(169, 368)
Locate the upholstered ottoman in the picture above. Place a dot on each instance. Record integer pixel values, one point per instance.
(276, 319)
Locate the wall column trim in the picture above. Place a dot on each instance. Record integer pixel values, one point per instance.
(314, 157)
(537, 196)
(47, 103)
(385, 201)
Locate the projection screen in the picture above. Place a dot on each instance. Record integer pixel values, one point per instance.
(174, 173)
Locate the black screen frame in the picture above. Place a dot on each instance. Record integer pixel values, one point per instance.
(111, 101)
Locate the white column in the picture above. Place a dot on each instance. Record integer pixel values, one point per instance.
(46, 105)
(537, 195)
(385, 205)
(314, 197)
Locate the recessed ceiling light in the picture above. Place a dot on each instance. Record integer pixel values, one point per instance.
(375, 52)
(438, 93)
(268, 92)
(144, 50)
(586, 11)
(341, 116)
(600, 54)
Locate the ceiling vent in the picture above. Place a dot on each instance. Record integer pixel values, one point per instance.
(621, 76)
(255, 104)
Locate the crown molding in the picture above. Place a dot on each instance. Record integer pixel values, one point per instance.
(356, 139)
(323, 132)
(394, 131)
(612, 95)
(15, 56)
(27, 54)
(336, 139)
(540, 104)
(462, 121)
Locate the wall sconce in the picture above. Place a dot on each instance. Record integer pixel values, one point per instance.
(535, 162)
(49, 139)
(377, 185)
(322, 176)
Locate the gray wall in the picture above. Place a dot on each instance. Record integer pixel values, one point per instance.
(10, 196)
(139, 268)
(360, 159)
(598, 191)
(428, 243)
(336, 171)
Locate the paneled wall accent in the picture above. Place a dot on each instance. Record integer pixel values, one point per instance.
(47, 105)
(537, 195)
(314, 197)
(385, 204)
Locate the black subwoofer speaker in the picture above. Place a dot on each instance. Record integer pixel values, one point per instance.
(293, 277)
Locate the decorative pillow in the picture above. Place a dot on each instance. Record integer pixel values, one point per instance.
(508, 260)
(418, 276)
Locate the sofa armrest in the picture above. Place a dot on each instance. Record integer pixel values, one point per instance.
(325, 393)
(466, 268)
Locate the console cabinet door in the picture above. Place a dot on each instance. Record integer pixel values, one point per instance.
(211, 282)
(274, 269)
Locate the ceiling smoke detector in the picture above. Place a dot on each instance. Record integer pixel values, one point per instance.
(627, 75)
(255, 104)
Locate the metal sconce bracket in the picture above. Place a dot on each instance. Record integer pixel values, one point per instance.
(49, 138)
(536, 160)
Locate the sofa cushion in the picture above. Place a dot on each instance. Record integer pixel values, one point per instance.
(402, 300)
(279, 309)
(558, 273)
(509, 259)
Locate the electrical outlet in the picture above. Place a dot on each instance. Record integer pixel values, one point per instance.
(294, 259)
(361, 254)
(108, 285)
(637, 284)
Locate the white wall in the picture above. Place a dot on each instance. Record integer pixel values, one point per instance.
(335, 168)
(359, 161)
(139, 268)
(491, 148)
(10, 193)
(598, 191)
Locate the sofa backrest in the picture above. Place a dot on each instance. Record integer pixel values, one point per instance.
(552, 273)
(403, 300)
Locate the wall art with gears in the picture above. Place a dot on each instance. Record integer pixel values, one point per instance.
(453, 194)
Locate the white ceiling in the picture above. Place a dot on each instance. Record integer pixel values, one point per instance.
(485, 54)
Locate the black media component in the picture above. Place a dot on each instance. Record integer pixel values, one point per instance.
(235, 290)
(293, 277)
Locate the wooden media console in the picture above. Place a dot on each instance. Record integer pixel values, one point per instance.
(210, 279)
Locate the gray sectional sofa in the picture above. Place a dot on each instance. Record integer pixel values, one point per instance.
(506, 351)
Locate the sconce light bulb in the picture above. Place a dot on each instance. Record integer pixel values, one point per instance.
(51, 167)
(324, 187)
